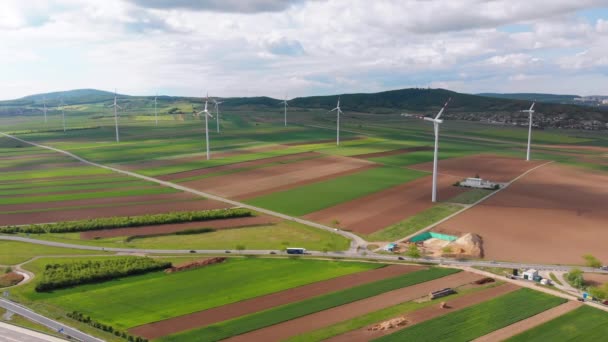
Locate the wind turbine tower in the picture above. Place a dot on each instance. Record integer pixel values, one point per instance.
(436, 122)
(62, 114)
(44, 108)
(156, 109)
(217, 113)
(338, 113)
(530, 112)
(207, 116)
(285, 105)
(116, 107)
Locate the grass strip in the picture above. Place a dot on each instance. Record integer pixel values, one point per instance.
(53, 189)
(241, 325)
(478, 320)
(582, 324)
(155, 190)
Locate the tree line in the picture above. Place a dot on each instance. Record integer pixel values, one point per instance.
(57, 276)
(127, 221)
(107, 328)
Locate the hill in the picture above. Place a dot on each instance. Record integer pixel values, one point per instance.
(540, 97)
(77, 96)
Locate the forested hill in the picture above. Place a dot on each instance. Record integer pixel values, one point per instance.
(553, 98)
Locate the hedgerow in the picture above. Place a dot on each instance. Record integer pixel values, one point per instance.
(56, 276)
(128, 221)
(107, 328)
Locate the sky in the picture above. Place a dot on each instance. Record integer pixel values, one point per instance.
(298, 48)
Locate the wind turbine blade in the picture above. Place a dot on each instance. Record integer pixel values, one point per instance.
(443, 108)
(532, 107)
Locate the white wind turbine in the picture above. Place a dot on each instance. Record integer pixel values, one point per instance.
(207, 115)
(60, 107)
(217, 113)
(285, 105)
(338, 113)
(436, 122)
(530, 112)
(44, 110)
(116, 107)
(155, 109)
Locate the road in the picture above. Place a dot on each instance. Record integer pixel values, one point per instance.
(12, 333)
(356, 241)
(32, 316)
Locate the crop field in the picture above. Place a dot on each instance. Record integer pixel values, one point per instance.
(582, 324)
(478, 320)
(127, 302)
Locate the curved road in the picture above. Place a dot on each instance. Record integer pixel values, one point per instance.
(356, 241)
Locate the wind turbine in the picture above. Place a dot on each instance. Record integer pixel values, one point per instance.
(284, 102)
(338, 113)
(116, 107)
(217, 113)
(530, 112)
(44, 108)
(207, 115)
(62, 113)
(155, 109)
(436, 122)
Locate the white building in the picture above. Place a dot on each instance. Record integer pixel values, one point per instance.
(478, 183)
(530, 274)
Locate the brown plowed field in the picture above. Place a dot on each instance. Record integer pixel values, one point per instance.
(251, 163)
(119, 210)
(265, 180)
(595, 279)
(172, 228)
(281, 331)
(393, 152)
(555, 214)
(379, 210)
(222, 313)
(425, 314)
(528, 323)
(490, 167)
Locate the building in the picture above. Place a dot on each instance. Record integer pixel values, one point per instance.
(531, 274)
(479, 183)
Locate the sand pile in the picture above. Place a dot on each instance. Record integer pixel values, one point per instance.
(390, 324)
(468, 245)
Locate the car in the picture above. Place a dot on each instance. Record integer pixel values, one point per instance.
(273, 252)
(580, 299)
(604, 268)
(227, 252)
(401, 258)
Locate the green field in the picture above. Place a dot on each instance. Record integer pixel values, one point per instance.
(582, 324)
(478, 320)
(15, 252)
(137, 300)
(309, 198)
(241, 325)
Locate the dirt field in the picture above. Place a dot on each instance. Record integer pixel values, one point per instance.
(323, 141)
(222, 313)
(393, 152)
(490, 167)
(428, 313)
(251, 163)
(554, 214)
(331, 316)
(108, 211)
(172, 228)
(595, 279)
(379, 210)
(266, 180)
(529, 323)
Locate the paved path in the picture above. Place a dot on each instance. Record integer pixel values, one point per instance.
(356, 241)
(32, 316)
(12, 333)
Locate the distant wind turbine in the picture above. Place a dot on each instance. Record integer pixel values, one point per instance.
(338, 113)
(217, 113)
(530, 112)
(285, 105)
(155, 109)
(44, 108)
(207, 115)
(60, 107)
(436, 122)
(116, 107)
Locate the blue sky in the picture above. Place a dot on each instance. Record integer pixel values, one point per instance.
(299, 47)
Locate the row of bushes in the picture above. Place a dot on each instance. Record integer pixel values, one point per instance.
(56, 276)
(107, 328)
(123, 222)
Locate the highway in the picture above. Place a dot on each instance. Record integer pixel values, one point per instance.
(54, 325)
(12, 333)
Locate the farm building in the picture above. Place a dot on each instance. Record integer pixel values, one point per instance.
(530, 274)
(478, 183)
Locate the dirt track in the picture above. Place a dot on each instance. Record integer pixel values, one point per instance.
(222, 313)
(379, 210)
(266, 180)
(393, 152)
(490, 167)
(172, 228)
(555, 214)
(425, 314)
(331, 316)
(529, 323)
(251, 163)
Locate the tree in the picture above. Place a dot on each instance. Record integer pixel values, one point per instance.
(592, 261)
(325, 250)
(335, 223)
(575, 278)
(240, 248)
(413, 251)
